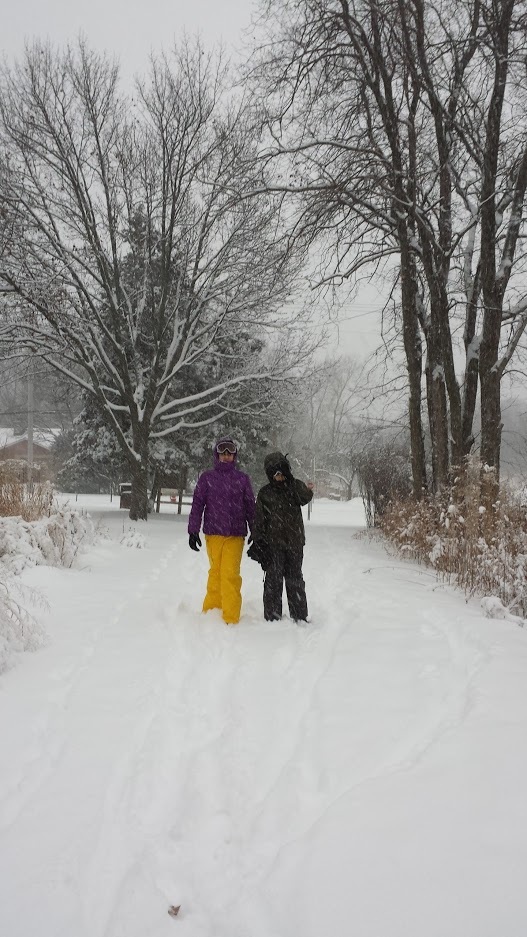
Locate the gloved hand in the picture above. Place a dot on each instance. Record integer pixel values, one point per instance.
(259, 551)
(194, 542)
(285, 468)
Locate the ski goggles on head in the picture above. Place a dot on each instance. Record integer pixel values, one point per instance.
(228, 446)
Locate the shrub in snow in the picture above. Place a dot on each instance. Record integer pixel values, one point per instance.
(133, 539)
(50, 541)
(384, 476)
(482, 551)
(494, 608)
(19, 500)
(19, 630)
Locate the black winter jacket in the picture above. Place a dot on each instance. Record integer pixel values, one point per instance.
(278, 520)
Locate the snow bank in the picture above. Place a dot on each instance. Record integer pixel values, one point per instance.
(51, 541)
(19, 629)
(134, 540)
(493, 607)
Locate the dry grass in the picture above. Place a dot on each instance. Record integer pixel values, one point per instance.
(17, 500)
(482, 551)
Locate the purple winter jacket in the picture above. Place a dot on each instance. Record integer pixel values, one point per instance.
(226, 496)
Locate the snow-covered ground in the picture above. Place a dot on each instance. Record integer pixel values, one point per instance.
(360, 777)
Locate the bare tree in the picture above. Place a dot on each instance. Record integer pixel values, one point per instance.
(149, 282)
(346, 125)
(401, 127)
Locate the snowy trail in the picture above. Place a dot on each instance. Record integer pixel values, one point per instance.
(361, 775)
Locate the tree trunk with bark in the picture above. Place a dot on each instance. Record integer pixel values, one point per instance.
(414, 363)
(492, 279)
(139, 501)
(472, 352)
(491, 425)
(438, 424)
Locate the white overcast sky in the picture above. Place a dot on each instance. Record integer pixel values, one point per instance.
(131, 29)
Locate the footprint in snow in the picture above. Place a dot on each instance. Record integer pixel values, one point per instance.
(283, 658)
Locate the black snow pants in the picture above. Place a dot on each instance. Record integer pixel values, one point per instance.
(286, 564)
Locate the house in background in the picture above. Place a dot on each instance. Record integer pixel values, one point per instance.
(13, 450)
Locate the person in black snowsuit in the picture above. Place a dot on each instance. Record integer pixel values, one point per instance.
(279, 538)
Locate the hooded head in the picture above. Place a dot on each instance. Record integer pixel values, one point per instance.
(276, 462)
(229, 443)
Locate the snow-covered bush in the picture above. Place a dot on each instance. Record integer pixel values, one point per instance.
(51, 541)
(134, 540)
(482, 551)
(493, 607)
(19, 629)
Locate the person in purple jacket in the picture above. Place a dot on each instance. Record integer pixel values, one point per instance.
(224, 499)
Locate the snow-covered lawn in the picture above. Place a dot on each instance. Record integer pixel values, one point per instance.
(360, 777)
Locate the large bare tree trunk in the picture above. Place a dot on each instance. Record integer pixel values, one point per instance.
(414, 364)
(472, 351)
(438, 423)
(438, 417)
(139, 501)
(492, 289)
(492, 425)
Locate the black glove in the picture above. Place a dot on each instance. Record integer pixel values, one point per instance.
(194, 542)
(285, 469)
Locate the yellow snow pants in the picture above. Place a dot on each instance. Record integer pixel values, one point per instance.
(224, 583)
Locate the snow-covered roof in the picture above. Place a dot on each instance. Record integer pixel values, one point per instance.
(41, 437)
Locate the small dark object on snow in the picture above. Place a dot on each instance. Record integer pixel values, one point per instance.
(174, 910)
